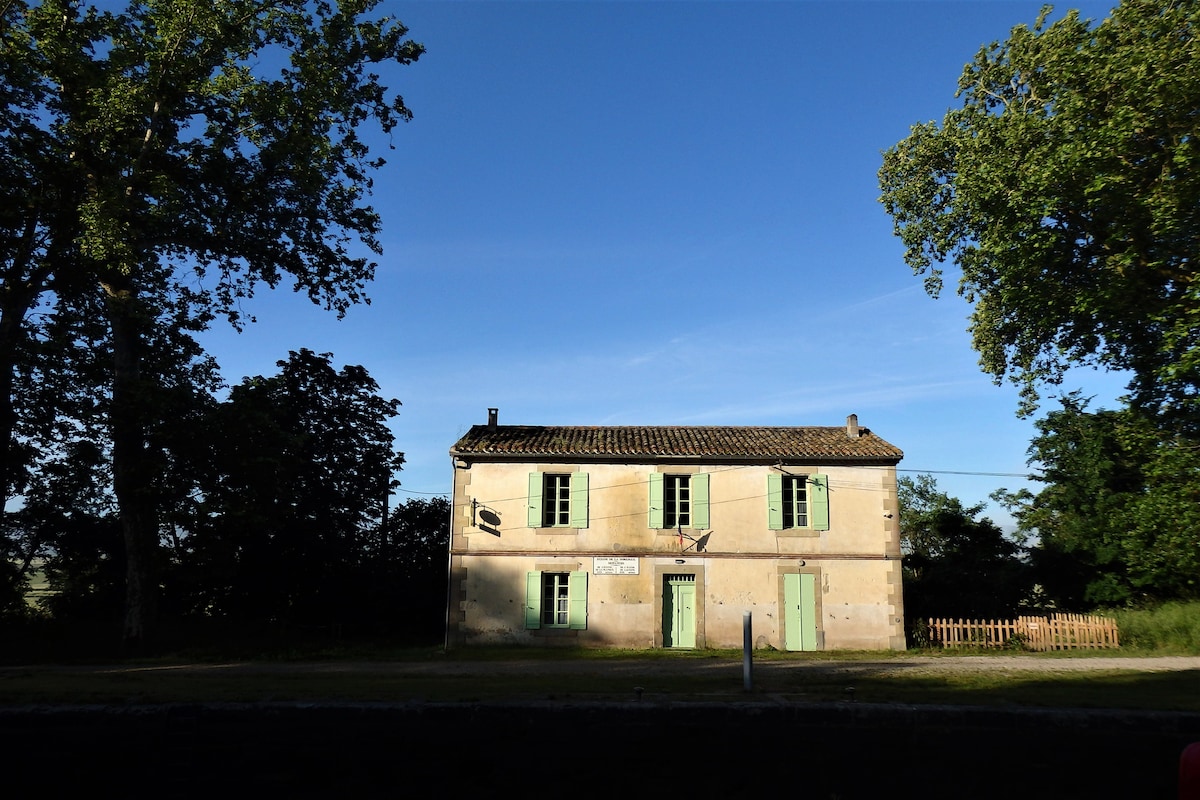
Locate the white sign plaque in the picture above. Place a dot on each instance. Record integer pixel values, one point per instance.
(614, 565)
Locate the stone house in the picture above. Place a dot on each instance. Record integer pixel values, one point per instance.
(649, 536)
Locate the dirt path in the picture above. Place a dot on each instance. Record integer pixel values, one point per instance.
(924, 665)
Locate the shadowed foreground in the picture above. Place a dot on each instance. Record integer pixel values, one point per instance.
(821, 750)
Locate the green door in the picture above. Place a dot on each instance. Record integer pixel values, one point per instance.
(679, 611)
(800, 612)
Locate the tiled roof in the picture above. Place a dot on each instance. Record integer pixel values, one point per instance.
(662, 442)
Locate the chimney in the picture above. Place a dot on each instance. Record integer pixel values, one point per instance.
(852, 427)
(493, 418)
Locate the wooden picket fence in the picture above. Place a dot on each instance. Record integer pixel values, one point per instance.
(1056, 632)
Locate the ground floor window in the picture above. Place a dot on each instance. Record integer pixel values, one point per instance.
(556, 600)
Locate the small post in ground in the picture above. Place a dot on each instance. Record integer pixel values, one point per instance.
(747, 653)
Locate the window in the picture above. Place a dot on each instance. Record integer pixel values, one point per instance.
(678, 501)
(558, 500)
(797, 502)
(556, 600)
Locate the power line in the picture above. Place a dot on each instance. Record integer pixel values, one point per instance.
(832, 483)
(431, 494)
(981, 474)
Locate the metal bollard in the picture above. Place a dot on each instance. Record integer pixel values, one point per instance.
(747, 653)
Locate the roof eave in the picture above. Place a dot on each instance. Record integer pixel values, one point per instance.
(617, 458)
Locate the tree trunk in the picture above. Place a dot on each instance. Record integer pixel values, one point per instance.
(131, 474)
(15, 302)
(9, 333)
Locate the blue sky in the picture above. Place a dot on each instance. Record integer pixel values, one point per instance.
(622, 213)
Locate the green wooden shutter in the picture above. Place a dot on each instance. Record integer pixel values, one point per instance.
(774, 501)
(818, 501)
(577, 600)
(656, 500)
(533, 600)
(799, 613)
(791, 612)
(535, 499)
(808, 611)
(700, 501)
(579, 499)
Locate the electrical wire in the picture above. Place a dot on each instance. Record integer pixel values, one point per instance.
(832, 484)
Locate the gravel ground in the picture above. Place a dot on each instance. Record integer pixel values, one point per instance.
(844, 750)
(952, 664)
(926, 665)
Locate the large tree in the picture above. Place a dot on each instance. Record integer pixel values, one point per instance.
(1066, 188)
(68, 510)
(169, 158)
(300, 468)
(1118, 520)
(408, 571)
(956, 563)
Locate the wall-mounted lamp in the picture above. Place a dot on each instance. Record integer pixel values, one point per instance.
(802, 562)
(680, 561)
(482, 516)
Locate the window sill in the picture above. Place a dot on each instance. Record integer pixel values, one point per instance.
(801, 533)
(557, 531)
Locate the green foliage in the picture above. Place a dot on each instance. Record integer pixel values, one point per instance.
(1172, 627)
(1066, 188)
(1018, 641)
(224, 138)
(404, 585)
(13, 585)
(955, 563)
(86, 568)
(161, 162)
(302, 463)
(272, 514)
(1118, 521)
(919, 636)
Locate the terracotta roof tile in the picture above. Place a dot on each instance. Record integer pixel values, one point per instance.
(654, 442)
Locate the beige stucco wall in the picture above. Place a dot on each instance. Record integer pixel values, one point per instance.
(738, 566)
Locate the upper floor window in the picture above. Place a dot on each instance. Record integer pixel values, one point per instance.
(558, 500)
(678, 501)
(797, 502)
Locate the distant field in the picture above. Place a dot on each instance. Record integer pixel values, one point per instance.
(39, 588)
